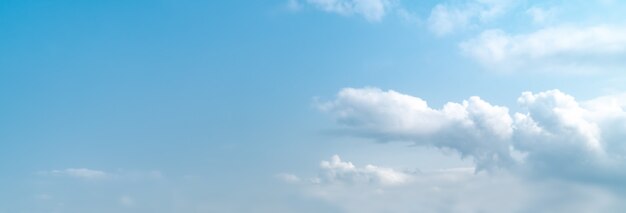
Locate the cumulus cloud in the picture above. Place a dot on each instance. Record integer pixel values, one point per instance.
(554, 134)
(555, 49)
(445, 18)
(337, 171)
(566, 138)
(371, 10)
(451, 190)
(474, 127)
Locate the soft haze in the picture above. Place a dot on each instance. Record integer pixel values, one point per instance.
(347, 106)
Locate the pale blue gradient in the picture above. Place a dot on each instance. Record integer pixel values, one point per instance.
(219, 97)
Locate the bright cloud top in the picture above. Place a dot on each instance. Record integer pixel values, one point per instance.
(550, 49)
(555, 135)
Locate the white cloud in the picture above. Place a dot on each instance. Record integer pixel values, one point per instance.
(453, 190)
(571, 139)
(555, 134)
(446, 18)
(372, 10)
(80, 173)
(337, 171)
(559, 137)
(474, 127)
(556, 49)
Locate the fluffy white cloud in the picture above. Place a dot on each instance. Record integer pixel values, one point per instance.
(80, 173)
(555, 134)
(566, 138)
(452, 190)
(474, 127)
(447, 18)
(556, 49)
(372, 10)
(337, 171)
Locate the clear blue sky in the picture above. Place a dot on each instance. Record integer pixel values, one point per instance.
(227, 106)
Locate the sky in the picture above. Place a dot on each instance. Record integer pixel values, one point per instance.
(338, 106)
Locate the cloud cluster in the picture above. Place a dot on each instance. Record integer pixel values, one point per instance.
(371, 10)
(536, 37)
(350, 189)
(549, 49)
(554, 135)
(541, 38)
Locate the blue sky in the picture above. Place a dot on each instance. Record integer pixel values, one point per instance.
(312, 106)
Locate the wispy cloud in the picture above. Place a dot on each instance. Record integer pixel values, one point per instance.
(541, 15)
(371, 10)
(293, 5)
(446, 18)
(127, 201)
(79, 173)
(92, 174)
(555, 49)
